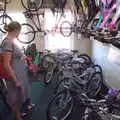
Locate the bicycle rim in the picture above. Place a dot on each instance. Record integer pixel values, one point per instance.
(66, 29)
(49, 73)
(28, 32)
(32, 5)
(60, 100)
(4, 19)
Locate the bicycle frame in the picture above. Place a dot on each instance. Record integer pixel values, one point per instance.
(105, 13)
(31, 16)
(54, 29)
(116, 16)
(108, 16)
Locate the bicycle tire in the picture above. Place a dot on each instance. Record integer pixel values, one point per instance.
(43, 59)
(59, 3)
(99, 68)
(30, 9)
(4, 17)
(53, 100)
(61, 30)
(98, 87)
(33, 31)
(46, 73)
(85, 56)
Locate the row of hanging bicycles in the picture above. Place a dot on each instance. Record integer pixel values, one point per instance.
(97, 14)
(78, 78)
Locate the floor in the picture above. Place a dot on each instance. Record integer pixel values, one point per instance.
(41, 95)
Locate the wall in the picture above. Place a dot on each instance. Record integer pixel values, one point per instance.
(111, 71)
(82, 45)
(15, 5)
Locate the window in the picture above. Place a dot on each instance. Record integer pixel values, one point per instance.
(21, 19)
(57, 41)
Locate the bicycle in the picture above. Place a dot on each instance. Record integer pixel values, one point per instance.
(63, 101)
(106, 10)
(106, 109)
(90, 81)
(80, 26)
(28, 30)
(4, 18)
(60, 60)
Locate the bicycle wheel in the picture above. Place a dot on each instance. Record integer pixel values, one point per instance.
(32, 5)
(85, 56)
(97, 68)
(4, 19)
(94, 84)
(66, 29)
(49, 73)
(28, 32)
(60, 108)
(47, 60)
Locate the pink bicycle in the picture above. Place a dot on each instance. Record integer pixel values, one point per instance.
(107, 8)
(116, 19)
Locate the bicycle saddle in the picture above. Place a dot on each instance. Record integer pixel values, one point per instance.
(74, 51)
(114, 33)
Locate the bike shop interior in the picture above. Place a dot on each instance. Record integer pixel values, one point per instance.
(78, 66)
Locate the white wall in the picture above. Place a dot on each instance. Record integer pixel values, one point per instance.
(111, 71)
